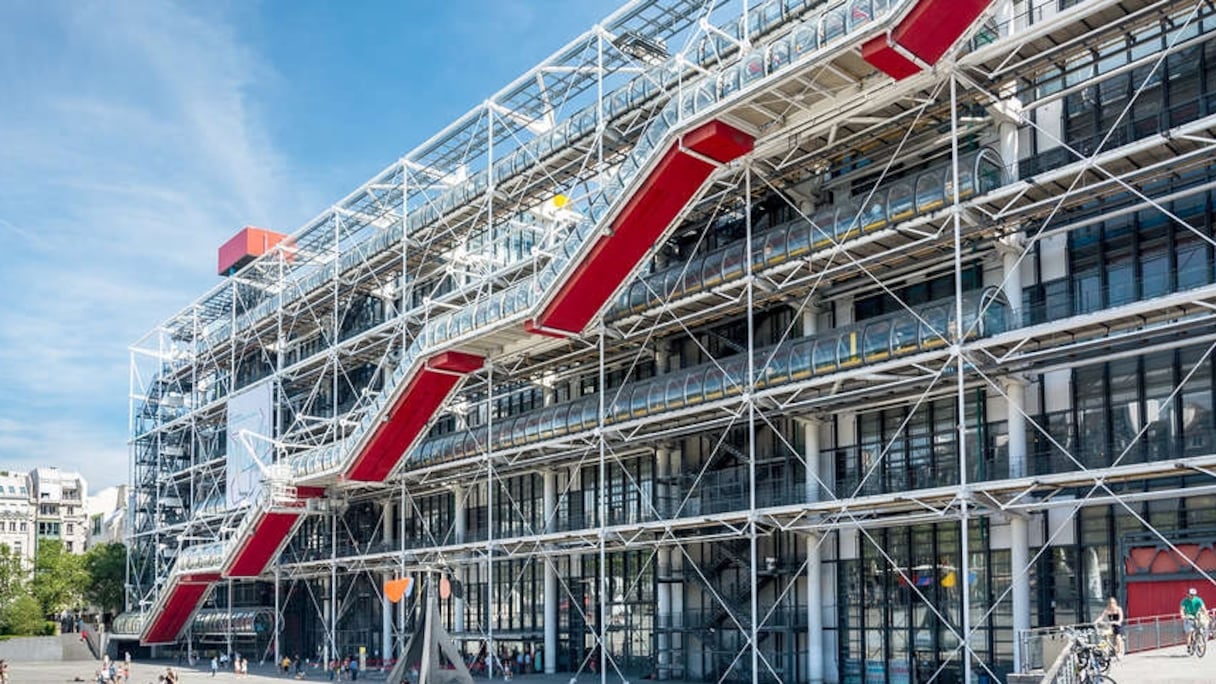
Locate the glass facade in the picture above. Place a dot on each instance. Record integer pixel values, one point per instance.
(760, 455)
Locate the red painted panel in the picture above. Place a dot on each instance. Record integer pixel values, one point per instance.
(456, 362)
(934, 25)
(719, 141)
(268, 533)
(885, 58)
(1206, 559)
(402, 425)
(1166, 563)
(1161, 597)
(661, 197)
(184, 597)
(1139, 560)
(245, 246)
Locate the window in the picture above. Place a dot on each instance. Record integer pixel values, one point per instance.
(25, 527)
(48, 529)
(71, 528)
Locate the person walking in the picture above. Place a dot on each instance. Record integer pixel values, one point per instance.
(215, 665)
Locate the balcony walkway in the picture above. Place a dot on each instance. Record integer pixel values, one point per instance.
(1167, 665)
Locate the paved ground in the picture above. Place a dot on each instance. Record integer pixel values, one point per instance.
(146, 673)
(141, 673)
(1166, 666)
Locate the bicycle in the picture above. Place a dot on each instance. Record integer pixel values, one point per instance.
(1196, 638)
(1108, 649)
(1087, 661)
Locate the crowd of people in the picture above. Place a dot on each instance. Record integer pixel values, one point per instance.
(346, 669)
(240, 664)
(506, 663)
(113, 672)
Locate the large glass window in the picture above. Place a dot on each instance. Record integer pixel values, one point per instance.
(1132, 257)
(901, 599)
(1124, 411)
(903, 452)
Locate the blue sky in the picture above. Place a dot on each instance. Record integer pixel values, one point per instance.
(135, 137)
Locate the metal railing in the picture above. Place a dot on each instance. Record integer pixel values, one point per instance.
(1042, 646)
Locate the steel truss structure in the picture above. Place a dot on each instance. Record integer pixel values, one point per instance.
(791, 341)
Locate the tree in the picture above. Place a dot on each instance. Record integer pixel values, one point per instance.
(59, 577)
(107, 568)
(13, 575)
(23, 617)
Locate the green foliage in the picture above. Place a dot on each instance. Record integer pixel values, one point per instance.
(59, 577)
(106, 565)
(13, 576)
(22, 617)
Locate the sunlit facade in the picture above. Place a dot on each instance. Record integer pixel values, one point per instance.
(737, 341)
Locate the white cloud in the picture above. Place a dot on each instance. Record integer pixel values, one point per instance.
(67, 444)
(129, 150)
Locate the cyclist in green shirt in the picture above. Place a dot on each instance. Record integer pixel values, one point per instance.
(1193, 613)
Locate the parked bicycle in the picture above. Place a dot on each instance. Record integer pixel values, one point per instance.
(1108, 650)
(1089, 661)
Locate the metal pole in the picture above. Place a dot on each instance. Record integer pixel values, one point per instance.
(1019, 557)
(332, 645)
(814, 609)
(602, 514)
(958, 340)
(664, 619)
(601, 509)
(278, 615)
(399, 647)
(551, 594)
(228, 630)
(490, 412)
(751, 414)
(461, 525)
(386, 621)
(491, 607)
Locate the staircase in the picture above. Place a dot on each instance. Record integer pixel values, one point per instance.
(78, 648)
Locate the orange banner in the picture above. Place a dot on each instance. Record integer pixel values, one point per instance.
(397, 589)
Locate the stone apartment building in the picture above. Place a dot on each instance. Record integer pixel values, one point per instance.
(49, 503)
(16, 513)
